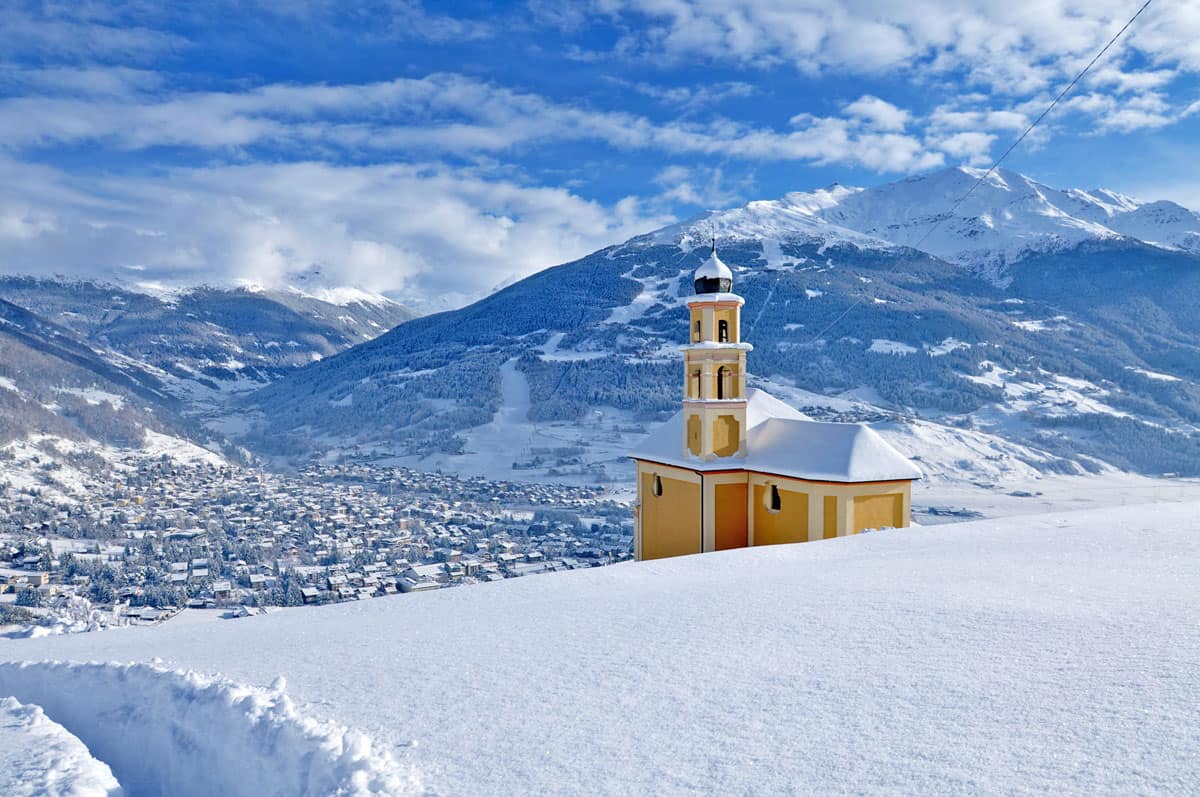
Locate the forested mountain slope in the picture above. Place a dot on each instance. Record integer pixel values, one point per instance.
(1084, 349)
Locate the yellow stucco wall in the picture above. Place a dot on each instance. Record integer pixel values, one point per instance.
(878, 511)
(710, 319)
(670, 523)
(834, 509)
(732, 388)
(830, 524)
(730, 517)
(694, 429)
(789, 524)
(730, 316)
(726, 440)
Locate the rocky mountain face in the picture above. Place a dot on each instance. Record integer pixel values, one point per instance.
(1058, 321)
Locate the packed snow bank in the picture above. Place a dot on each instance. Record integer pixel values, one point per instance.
(40, 757)
(1055, 654)
(179, 733)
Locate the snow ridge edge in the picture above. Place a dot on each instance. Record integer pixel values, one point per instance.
(182, 733)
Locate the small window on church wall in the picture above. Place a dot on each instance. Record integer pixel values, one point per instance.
(722, 382)
(774, 502)
(723, 331)
(657, 486)
(696, 331)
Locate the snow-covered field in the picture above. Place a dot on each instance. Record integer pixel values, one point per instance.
(1050, 654)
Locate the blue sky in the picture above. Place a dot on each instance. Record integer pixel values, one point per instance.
(433, 151)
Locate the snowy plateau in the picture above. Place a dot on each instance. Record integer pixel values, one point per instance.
(1055, 655)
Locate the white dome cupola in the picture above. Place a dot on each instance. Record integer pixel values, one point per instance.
(713, 276)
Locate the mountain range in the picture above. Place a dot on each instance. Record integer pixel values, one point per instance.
(91, 370)
(1058, 320)
(1021, 328)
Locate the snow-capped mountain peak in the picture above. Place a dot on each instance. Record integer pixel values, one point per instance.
(1006, 217)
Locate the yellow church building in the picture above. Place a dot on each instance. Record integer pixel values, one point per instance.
(738, 467)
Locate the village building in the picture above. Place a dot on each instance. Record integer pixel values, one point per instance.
(737, 467)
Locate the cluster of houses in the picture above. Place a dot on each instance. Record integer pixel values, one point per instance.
(169, 536)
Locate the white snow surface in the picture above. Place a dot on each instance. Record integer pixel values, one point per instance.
(783, 441)
(884, 346)
(40, 758)
(797, 216)
(178, 449)
(1006, 218)
(1154, 375)
(343, 296)
(1052, 654)
(837, 452)
(713, 268)
(94, 396)
(183, 734)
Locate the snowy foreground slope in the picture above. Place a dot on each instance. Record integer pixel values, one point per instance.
(1052, 654)
(40, 757)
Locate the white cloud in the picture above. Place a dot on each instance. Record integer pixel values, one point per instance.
(878, 113)
(971, 146)
(410, 19)
(699, 186)
(82, 31)
(417, 231)
(690, 99)
(1015, 47)
(440, 113)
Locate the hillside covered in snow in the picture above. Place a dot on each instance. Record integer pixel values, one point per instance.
(1055, 328)
(1055, 654)
(95, 376)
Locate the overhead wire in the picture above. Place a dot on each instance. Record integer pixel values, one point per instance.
(996, 164)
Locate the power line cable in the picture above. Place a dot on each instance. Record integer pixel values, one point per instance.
(998, 161)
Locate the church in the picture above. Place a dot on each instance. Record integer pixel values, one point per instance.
(736, 468)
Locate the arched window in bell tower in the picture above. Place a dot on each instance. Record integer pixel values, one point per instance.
(696, 331)
(694, 384)
(722, 379)
(722, 331)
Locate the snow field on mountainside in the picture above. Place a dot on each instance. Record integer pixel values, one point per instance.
(187, 735)
(1051, 654)
(40, 758)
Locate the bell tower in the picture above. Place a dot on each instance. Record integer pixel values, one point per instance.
(714, 395)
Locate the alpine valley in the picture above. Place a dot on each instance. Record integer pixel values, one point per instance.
(1024, 331)
(95, 377)
(1029, 331)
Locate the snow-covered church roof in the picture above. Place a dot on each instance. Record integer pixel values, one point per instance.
(713, 269)
(784, 442)
(713, 276)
